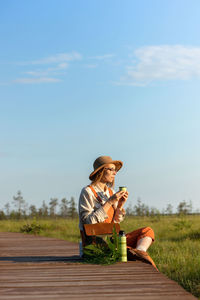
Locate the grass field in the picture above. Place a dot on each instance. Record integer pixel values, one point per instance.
(176, 251)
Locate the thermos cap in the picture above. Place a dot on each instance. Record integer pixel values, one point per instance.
(122, 233)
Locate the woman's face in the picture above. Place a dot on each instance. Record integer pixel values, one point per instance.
(109, 173)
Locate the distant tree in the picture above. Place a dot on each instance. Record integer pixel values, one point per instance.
(72, 212)
(129, 210)
(64, 207)
(190, 207)
(32, 211)
(25, 209)
(15, 215)
(7, 208)
(43, 211)
(140, 209)
(154, 211)
(2, 215)
(19, 202)
(146, 210)
(52, 206)
(184, 208)
(169, 209)
(163, 212)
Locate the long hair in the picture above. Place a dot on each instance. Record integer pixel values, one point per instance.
(98, 176)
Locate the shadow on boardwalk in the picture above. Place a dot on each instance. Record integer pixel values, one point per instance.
(36, 259)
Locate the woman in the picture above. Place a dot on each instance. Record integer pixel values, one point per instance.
(98, 203)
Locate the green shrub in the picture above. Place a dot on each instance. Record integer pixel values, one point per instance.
(32, 228)
(182, 224)
(104, 252)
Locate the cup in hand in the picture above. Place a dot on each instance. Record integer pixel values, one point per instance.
(122, 188)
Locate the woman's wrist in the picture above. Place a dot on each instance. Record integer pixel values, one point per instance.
(123, 212)
(107, 206)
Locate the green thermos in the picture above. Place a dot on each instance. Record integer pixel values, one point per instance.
(122, 246)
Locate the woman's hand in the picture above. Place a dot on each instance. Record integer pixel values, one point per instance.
(118, 199)
(122, 200)
(119, 215)
(114, 199)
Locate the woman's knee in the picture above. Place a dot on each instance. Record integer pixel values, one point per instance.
(148, 231)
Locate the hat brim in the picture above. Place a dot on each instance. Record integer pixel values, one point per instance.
(118, 164)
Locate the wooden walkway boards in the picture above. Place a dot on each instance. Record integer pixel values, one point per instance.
(34, 268)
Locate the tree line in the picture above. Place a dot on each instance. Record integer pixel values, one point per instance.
(67, 209)
(55, 208)
(141, 209)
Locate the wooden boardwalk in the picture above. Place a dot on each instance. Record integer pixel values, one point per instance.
(33, 267)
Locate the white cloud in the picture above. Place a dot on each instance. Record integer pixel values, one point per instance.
(58, 58)
(37, 73)
(48, 71)
(62, 66)
(54, 67)
(36, 80)
(164, 62)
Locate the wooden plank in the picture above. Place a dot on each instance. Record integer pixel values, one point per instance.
(33, 267)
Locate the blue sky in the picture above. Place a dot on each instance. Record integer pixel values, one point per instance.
(79, 79)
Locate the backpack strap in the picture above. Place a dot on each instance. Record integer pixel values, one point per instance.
(95, 193)
(110, 192)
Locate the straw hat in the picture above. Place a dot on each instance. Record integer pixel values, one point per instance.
(101, 161)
